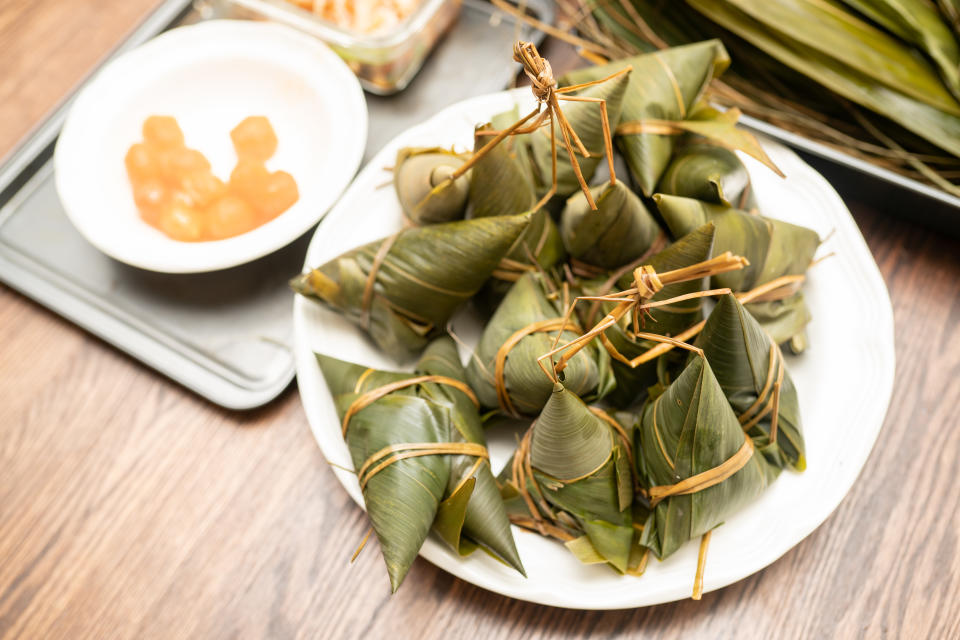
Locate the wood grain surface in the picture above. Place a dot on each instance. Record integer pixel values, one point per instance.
(130, 508)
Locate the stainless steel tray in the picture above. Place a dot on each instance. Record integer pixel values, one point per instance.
(884, 190)
(225, 335)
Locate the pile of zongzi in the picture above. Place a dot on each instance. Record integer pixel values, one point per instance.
(647, 422)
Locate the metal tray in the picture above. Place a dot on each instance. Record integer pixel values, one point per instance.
(226, 335)
(882, 189)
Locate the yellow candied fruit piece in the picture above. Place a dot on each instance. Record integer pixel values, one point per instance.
(230, 216)
(277, 195)
(202, 187)
(254, 139)
(150, 195)
(163, 131)
(181, 222)
(248, 179)
(176, 163)
(141, 162)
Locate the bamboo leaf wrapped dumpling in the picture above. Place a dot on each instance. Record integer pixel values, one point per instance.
(502, 184)
(693, 460)
(751, 371)
(418, 446)
(586, 120)
(664, 86)
(706, 172)
(504, 372)
(421, 178)
(403, 289)
(669, 320)
(571, 478)
(618, 232)
(774, 248)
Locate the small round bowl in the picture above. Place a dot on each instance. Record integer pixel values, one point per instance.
(210, 76)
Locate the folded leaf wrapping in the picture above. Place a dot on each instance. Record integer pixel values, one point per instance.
(705, 172)
(752, 373)
(586, 120)
(664, 85)
(632, 383)
(403, 289)
(421, 178)
(502, 183)
(773, 247)
(618, 232)
(454, 493)
(571, 475)
(504, 372)
(694, 461)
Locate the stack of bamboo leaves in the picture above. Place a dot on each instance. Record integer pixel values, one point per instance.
(647, 422)
(878, 79)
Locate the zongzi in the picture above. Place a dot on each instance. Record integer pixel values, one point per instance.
(504, 372)
(403, 289)
(417, 444)
(426, 194)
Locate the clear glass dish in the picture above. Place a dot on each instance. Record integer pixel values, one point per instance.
(386, 62)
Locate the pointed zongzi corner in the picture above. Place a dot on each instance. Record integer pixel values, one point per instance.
(774, 248)
(502, 182)
(447, 485)
(664, 86)
(669, 320)
(618, 232)
(706, 172)
(752, 373)
(504, 371)
(484, 520)
(403, 289)
(586, 120)
(580, 464)
(421, 178)
(694, 462)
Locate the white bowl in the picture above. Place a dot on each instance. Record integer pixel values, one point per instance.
(210, 76)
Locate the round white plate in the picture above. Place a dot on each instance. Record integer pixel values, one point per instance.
(210, 76)
(844, 381)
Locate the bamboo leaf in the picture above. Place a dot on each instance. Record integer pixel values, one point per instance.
(618, 232)
(919, 23)
(689, 430)
(426, 274)
(664, 85)
(938, 126)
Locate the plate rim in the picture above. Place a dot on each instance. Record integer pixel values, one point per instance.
(873, 414)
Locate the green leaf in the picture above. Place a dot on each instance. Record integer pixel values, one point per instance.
(664, 85)
(586, 120)
(618, 232)
(688, 430)
(425, 276)
(938, 125)
(528, 387)
(739, 353)
(421, 180)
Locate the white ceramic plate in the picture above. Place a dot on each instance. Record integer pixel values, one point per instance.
(844, 381)
(210, 76)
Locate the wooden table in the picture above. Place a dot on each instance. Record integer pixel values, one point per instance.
(130, 508)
